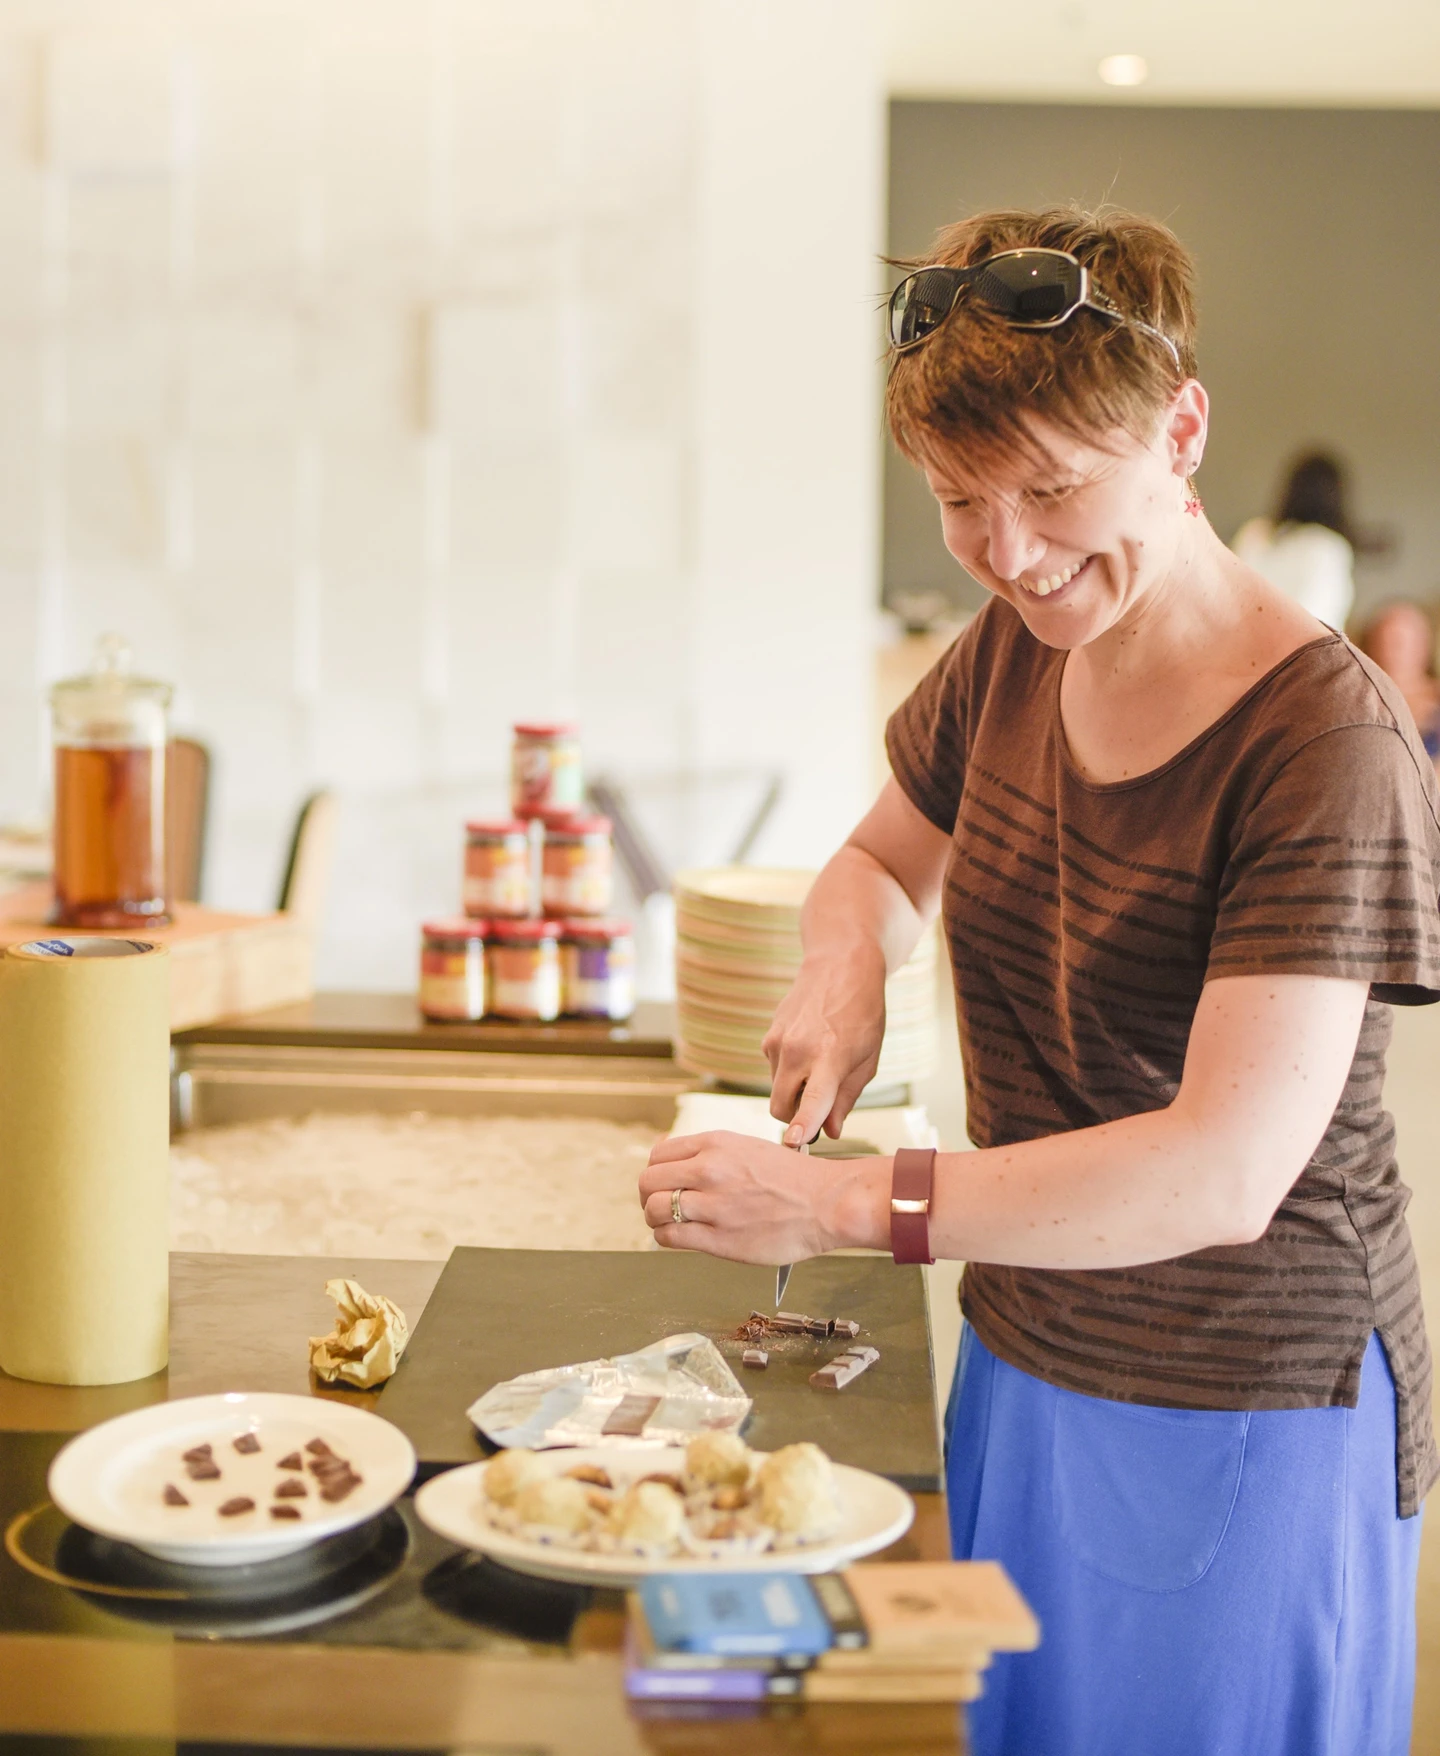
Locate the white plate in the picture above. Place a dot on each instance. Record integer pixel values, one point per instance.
(876, 1514)
(111, 1479)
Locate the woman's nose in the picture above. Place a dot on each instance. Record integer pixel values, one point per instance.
(1012, 547)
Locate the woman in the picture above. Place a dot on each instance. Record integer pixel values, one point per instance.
(1308, 548)
(1185, 845)
(1401, 641)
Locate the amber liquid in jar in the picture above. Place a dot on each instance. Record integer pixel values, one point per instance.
(110, 835)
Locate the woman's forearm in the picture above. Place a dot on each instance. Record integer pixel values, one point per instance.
(858, 909)
(1139, 1190)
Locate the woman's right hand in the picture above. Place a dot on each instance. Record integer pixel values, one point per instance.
(823, 1045)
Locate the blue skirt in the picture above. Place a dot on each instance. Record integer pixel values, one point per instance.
(1208, 1583)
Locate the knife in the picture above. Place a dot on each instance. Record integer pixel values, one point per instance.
(782, 1274)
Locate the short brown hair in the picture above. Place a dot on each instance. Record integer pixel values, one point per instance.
(971, 384)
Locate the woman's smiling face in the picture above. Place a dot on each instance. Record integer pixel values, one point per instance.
(1083, 536)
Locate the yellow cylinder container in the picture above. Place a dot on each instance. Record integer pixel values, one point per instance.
(84, 1160)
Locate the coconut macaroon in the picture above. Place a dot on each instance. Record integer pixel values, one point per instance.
(555, 1502)
(511, 1471)
(648, 1513)
(797, 1491)
(717, 1460)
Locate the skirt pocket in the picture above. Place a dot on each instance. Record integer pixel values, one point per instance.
(1143, 1496)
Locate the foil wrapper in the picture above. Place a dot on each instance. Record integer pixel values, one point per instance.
(686, 1377)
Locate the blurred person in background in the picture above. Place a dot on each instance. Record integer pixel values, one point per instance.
(1400, 637)
(1308, 548)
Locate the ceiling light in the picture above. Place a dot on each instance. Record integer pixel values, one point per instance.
(1124, 70)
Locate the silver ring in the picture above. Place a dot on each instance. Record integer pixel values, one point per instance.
(675, 1213)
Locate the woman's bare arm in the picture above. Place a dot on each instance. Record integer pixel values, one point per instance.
(1265, 1066)
(862, 919)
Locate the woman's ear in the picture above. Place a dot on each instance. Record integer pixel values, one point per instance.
(1186, 427)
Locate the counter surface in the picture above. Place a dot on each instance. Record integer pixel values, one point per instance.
(429, 1664)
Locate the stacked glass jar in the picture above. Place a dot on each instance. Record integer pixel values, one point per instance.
(536, 891)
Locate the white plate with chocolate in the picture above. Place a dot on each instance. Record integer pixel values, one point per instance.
(610, 1515)
(226, 1481)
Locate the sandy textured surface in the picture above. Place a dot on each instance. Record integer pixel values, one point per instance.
(408, 1186)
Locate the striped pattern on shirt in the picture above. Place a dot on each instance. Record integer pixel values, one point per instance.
(1299, 834)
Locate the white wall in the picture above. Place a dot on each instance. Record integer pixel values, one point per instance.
(389, 371)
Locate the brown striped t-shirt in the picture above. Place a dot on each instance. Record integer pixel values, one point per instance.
(1298, 834)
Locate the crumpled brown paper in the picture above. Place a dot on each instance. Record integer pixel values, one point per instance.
(369, 1337)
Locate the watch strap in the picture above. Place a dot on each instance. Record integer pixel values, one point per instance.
(911, 1185)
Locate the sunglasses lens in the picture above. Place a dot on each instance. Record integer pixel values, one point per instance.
(1030, 286)
(920, 304)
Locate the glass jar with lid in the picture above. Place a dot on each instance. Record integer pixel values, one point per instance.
(109, 730)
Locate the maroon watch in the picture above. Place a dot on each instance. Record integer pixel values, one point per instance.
(910, 1187)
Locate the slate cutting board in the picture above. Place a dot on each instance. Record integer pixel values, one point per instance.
(497, 1313)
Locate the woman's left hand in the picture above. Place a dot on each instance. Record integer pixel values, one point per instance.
(753, 1201)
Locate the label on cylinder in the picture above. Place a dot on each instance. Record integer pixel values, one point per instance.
(452, 983)
(525, 981)
(576, 878)
(600, 979)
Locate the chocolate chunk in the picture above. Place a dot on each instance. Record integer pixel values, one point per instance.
(291, 1460)
(197, 1454)
(756, 1357)
(847, 1326)
(337, 1487)
(844, 1368)
(205, 1470)
(788, 1323)
(233, 1508)
(173, 1496)
(592, 1473)
(247, 1443)
(284, 1511)
(292, 1489)
(318, 1448)
(666, 1481)
(322, 1468)
(627, 1419)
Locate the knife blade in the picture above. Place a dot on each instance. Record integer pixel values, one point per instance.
(782, 1274)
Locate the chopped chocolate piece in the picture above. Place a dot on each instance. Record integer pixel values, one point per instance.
(627, 1419)
(206, 1470)
(756, 1357)
(844, 1368)
(666, 1481)
(292, 1489)
(788, 1323)
(325, 1469)
(247, 1443)
(173, 1496)
(819, 1327)
(233, 1508)
(197, 1454)
(284, 1511)
(592, 1473)
(847, 1326)
(318, 1448)
(337, 1487)
(291, 1460)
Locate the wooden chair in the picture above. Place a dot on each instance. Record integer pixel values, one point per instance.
(187, 806)
(307, 869)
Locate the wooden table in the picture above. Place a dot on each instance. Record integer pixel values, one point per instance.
(241, 1322)
(220, 963)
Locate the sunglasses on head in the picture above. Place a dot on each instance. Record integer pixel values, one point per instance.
(1030, 289)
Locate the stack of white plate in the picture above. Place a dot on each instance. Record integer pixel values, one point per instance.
(737, 951)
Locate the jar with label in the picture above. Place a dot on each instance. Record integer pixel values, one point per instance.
(545, 771)
(597, 961)
(497, 868)
(576, 866)
(524, 967)
(452, 971)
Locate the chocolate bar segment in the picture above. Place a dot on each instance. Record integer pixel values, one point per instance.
(789, 1322)
(627, 1419)
(173, 1497)
(292, 1488)
(247, 1444)
(233, 1508)
(844, 1368)
(847, 1326)
(755, 1357)
(284, 1511)
(291, 1460)
(204, 1470)
(197, 1454)
(337, 1487)
(318, 1448)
